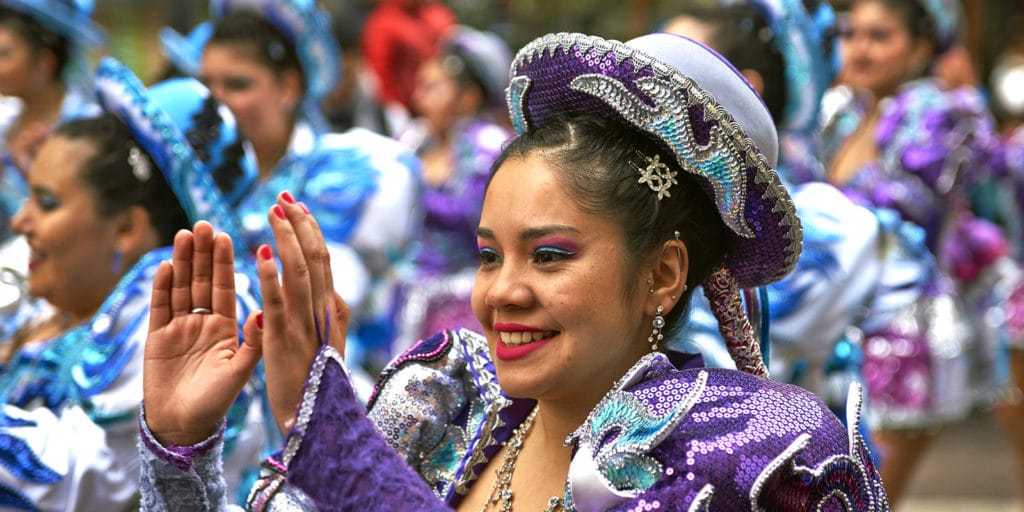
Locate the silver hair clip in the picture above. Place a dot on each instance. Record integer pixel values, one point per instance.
(140, 166)
(657, 175)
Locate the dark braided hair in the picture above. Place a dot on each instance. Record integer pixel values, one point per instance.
(110, 176)
(269, 46)
(205, 131)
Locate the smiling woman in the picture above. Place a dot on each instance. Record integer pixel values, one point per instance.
(43, 48)
(107, 196)
(640, 170)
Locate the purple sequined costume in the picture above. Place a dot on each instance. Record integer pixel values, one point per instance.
(688, 438)
(437, 294)
(939, 357)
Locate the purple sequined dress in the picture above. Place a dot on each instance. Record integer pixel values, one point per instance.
(437, 293)
(940, 355)
(669, 435)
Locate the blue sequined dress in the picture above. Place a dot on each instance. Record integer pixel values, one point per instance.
(69, 422)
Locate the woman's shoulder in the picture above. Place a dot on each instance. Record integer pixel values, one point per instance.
(458, 358)
(723, 438)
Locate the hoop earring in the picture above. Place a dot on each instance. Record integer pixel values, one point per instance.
(658, 323)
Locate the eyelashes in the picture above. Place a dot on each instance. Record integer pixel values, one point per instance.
(541, 255)
(551, 254)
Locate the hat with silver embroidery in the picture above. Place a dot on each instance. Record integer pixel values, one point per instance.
(694, 102)
(175, 122)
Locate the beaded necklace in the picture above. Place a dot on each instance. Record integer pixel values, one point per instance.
(501, 489)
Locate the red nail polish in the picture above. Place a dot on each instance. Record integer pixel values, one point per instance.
(278, 211)
(303, 206)
(287, 196)
(265, 252)
(259, 320)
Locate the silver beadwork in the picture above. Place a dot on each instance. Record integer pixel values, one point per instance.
(657, 175)
(501, 490)
(139, 164)
(658, 323)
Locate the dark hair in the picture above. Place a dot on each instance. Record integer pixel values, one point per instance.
(206, 127)
(742, 35)
(457, 65)
(596, 160)
(270, 47)
(38, 37)
(111, 178)
(914, 18)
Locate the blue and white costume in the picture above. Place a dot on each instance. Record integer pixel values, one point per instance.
(68, 426)
(363, 188)
(71, 21)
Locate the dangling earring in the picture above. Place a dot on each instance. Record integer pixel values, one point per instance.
(658, 323)
(116, 266)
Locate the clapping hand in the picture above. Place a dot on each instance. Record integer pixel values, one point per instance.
(302, 312)
(194, 365)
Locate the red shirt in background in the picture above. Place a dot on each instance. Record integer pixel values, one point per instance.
(400, 35)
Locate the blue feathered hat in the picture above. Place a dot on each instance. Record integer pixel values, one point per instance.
(165, 121)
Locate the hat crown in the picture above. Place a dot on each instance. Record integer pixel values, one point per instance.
(721, 80)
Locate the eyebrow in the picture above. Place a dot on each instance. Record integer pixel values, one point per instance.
(531, 233)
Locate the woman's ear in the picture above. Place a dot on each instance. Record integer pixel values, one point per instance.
(668, 277)
(134, 235)
(291, 89)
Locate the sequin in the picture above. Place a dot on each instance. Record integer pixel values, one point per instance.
(579, 73)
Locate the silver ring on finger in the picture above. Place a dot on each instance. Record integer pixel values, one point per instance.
(200, 311)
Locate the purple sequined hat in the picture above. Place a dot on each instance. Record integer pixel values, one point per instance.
(697, 105)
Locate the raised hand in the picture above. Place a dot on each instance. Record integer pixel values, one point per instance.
(194, 366)
(301, 312)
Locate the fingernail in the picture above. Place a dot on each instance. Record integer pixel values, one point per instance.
(265, 252)
(303, 206)
(278, 211)
(259, 320)
(287, 196)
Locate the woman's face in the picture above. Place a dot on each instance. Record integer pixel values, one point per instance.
(879, 52)
(557, 300)
(436, 96)
(263, 102)
(72, 247)
(17, 68)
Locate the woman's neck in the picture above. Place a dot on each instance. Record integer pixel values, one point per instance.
(42, 104)
(271, 148)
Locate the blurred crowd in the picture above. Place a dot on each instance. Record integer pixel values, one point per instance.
(385, 120)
